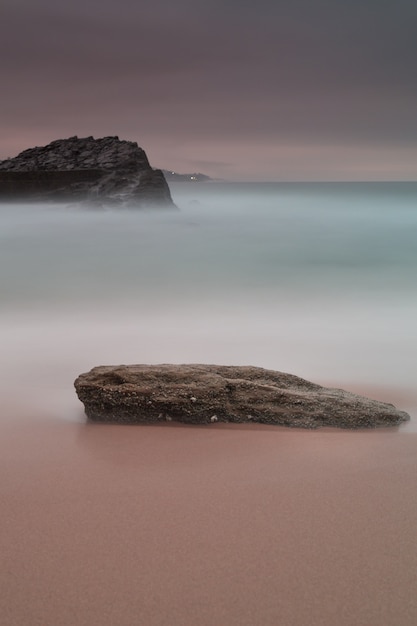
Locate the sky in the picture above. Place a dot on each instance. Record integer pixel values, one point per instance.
(272, 90)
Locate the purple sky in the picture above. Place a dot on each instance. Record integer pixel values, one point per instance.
(265, 90)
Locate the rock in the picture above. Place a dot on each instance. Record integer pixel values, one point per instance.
(204, 394)
(104, 171)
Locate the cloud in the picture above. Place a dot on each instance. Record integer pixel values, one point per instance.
(183, 71)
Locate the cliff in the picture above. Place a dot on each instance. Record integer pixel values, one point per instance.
(106, 171)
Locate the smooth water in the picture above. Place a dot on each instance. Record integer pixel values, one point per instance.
(318, 280)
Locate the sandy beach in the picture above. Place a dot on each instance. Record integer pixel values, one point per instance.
(225, 524)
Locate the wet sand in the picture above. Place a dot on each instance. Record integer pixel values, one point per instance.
(236, 525)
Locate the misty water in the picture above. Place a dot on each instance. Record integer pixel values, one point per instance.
(318, 280)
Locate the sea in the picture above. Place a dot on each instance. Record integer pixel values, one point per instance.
(236, 524)
(315, 279)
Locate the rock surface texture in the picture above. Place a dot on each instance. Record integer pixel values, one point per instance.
(203, 394)
(96, 171)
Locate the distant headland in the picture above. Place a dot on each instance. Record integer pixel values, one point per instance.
(106, 171)
(196, 177)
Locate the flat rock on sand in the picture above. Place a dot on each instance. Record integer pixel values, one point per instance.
(203, 394)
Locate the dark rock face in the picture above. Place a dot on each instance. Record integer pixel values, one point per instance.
(97, 171)
(202, 394)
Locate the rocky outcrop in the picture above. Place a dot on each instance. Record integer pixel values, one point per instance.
(97, 171)
(203, 394)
